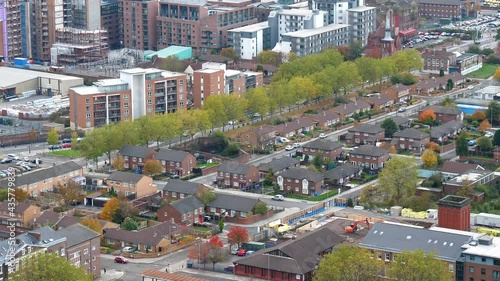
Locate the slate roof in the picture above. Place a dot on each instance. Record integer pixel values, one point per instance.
(351, 107)
(48, 236)
(342, 171)
(187, 204)
(323, 144)
(458, 167)
(171, 155)
(125, 177)
(411, 134)
(437, 53)
(443, 109)
(367, 128)
(370, 150)
(43, 174)
(264, 130)
(20, 208)
(324, 116)
(381, 99)
(279, 164)
(66, 221)
(298, 256)
(135, 151)
(294, 125)
(399, 120)
(77, 234)
(399, 88)
(441, 2)
(234, 168)
(233, 202)
(181, 186)
(446, 128)
(398, 238)
(48, 218)
(147, 236)
(300, 174)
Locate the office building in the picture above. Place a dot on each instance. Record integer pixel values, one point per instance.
(138, 24)
(86, 15)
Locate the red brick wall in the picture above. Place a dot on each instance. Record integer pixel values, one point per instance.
(249, 220)
(454, 218)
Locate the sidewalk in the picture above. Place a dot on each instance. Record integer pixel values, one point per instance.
(110, 275)
(144, 260)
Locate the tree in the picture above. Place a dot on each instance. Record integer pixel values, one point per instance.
(129, 224)
(172, 63)
(347, 76)
(48, 266)
(461, 147)
(355, 50)
(269, 57)
(261, 208)
(493, 112)
(221, 225)
(206, 196)
(348, 263)
(152, 167)
(258, 101)
(269, 177)
(429, 159)
(432, 146)
(32, 136)
(496, 76)
(20, 194)
(53, 137)
(497, 36)
(110, 209)
(71, 193)
(233, 107)
(74, 140)
(479, 115)
(216, 253)
(92, 223)
(215, 107)
(237, 235)
(215, 241)
(496, 138)
(390, 127)
(449, 102)
(441, 72)
(427, 116)
(368, 69)
(484, 143)
(199, 252)
(449, 85)
(318, 162)
(485, 125)
(125, 210)
(399, 178)
(118, 163)
(418, 266)
(229, 53)
(4, 194)
(467, 189)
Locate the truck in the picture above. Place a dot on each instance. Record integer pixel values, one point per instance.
(253, 246)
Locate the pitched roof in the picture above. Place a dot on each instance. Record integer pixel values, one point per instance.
(411, 133)
(233, 202)
(43, 174)
(367, 128)
(430, 83)
(399, 88)
(398, 238)
(181, 186)
(135, 151)
(379, 99)
(441, 2)
(48, 236)
(125, 177)
(437, 53)
(147, 236)
(446, 128)
(324, 116)
(351, 107)
(20, 208)
(48, 218)
(66, 221)
(458, 167)
(455, 76)
(294, 125)
(370, 150)
(187, 204)
(298, 256)
(279, 164)
(342, 171)
(171, 155)
(399, 120)
(264, 129)
(443, 109)
(323, 144)
(300, 174)
(77, 234)
(234, 167)
(164, 276)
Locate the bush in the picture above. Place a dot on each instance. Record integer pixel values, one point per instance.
(404, 78)
(233, 149)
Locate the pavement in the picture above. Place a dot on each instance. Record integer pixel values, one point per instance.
(110, 275)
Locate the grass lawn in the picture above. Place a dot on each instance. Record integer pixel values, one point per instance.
(67, 153)
(207, 165)
(485, 72)
(200, 228)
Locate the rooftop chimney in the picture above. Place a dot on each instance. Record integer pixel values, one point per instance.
(388, 37)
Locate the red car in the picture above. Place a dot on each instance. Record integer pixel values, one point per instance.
(121, 260)
(66, 145)
(241, 252)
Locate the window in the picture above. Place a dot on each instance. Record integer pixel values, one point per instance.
(387, 257)
(87, 101)
(483, 271)
(174, 194)
(86, 251)
(379, 256)
(88, 116)
(471, 269)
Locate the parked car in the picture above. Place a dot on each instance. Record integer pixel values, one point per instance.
(13, 156)
(121, 260)
(5, 160)
(489, 135)
(229, 268)
(322, 136)
(128, 249)
(66, 145)
(174, 176)
(66, 140)
(248, 253)
(54, 147)
(278, 197)
(36, 160)
(26, 159)
(296, 145)
(241, 252)
(402, 109)
(234, 251)
(471, 143)
(289, 147)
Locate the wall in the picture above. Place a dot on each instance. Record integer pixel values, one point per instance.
(249, 220)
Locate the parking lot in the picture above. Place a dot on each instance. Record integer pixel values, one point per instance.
(19, 166)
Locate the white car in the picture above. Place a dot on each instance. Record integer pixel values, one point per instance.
(322, 136)
(296, 145)
(278, 197)
(489, 135)
(13, 156)
(289, 147)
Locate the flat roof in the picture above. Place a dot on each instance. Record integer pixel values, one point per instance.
(231, 72)
(489, 90)
(11, 75)
(208, 70)
(361, 9)
(297, 12)
(86, 90)
(167, 74)
(316, 31)
(252, 27)
(133, 70)
(186, 2)
(485, 250)
(110, 82)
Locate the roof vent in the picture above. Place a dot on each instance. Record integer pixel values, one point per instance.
(381, 232)
(444, 243)
(473, 243)
(451, 244)
(430, 240)
(486, 240)
(408, 237)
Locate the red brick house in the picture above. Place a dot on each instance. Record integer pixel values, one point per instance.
(445, 113)
(22, 215)
(135, 156)
(126, 184)
(364, 134)
(179, 189)
(443, 133)
(325, 120)
(229, 205)
(176, 162)
(341, 175)
(295, 127)
(380, 101)
(410, 139)
(278, 165)
(300, 181)
(369, 157)
(348, 109)
(328, 149)
(398, 92)
(237, 175)
(187, 211)
(261, 137)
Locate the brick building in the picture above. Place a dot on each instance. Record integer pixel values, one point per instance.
(179, 189)
(187, 211)
(207, 82)
(135, 156)
(237, 175)
(411, 140)
(454, 212)
(127, 184)
(445, 113)
(369, 157)
(398, 92)
(435, 60)
(364, 134)
(176, 162)
(300, 181)
(23, 214)
(450, 9)
(261, 137)
(328, 149)
(138, 24)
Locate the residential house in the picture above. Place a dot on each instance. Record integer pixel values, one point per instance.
(457, 78)
(22, 214)
(135, 156)
(341, 175)
(437, 60)
(176, 162)
(179, 189)
(449, 130)
(36, 182)
(467, 63)
(369, 157)
(445, 113)
(187, 211)
(228, 205)
(127, 184)
(154, 239)
(295, 259)
(328, 149)
(59, 221)
(278, 165)
(349, 109)
(48, 217)
(429, 85)
(401, 122)
(296, 127)
(325, 119)
(261, 137)
(157, 275)
(387, 240)
(398, 93)
(365, 134)
(453, 169)
(66, 221)
(471, 177)
(83, 248)
(300, 181)
(411, 140)
(237, 175)
(380, 101)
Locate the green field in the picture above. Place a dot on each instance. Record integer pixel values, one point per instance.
(67, 153)
(485, 72)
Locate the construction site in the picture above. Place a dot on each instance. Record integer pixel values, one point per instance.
(76, 46)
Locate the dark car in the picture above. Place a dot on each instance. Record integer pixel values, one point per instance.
(66, 140)
(229, 268)
(6, 160)
(121, 260)
(54, 147)
(34, 161)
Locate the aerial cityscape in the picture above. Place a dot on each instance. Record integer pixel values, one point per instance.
(217, 140)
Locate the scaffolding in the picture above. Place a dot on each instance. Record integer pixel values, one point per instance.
(76, 46)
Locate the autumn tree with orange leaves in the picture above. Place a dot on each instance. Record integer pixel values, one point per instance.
(485, 125)
(432, 146)
(237, 235)
(479, 115)
(427, 116)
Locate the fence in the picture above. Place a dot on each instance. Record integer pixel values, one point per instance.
(309, 212)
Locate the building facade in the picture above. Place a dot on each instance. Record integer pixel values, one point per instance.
(138, 24)
(363, 21)
(454, 212)
(248, 41)
(75, 46)
(175, 162)
(237, 175)
(207, 82)
(435, 60)
(442, 9)
(110, 21)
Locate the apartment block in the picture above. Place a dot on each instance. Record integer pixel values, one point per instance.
(439, 9)
(336, 9)
(76, 46)
(250, 40)
(138, 24)
(363, 21)
(10, 29)
(201, 24)
(85, 14)
(110, 21)
(207, 82)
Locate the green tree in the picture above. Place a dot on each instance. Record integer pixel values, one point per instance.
(390, 127)
(497, 36)
(221, 225)
(349, 262)
(172, 63)
(129, 224)
(269, 177)
(449, 85)
(461, 147)
(90, 146)
(278, 94)
(355, 50)
(152, 167)
(347, 76)
(206, 196)
(4, 194)
(260, 208)
(269, 57)
(484, 143)
(53, 137)
(441, 72)
(398, 178)
(233, 107)
(229, 53)
(74, 140)
(493, 112)
(449, 102)
(474, 49)
(71, 193)
(215, 107)
(258, 101)
(368, 69)
(418, 266)
(144, 128)
(496, 138)
(46, 267)
(108, 142)
(302, 88)
(318, 162)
